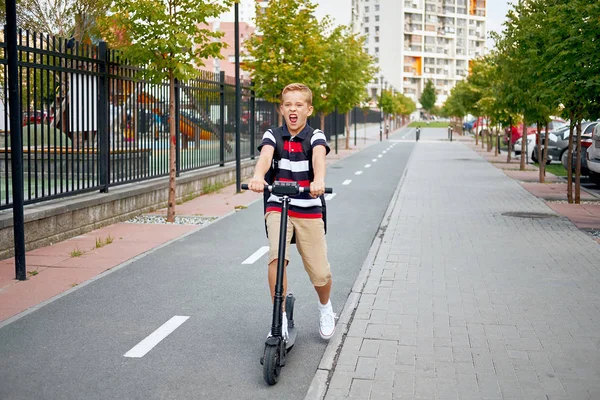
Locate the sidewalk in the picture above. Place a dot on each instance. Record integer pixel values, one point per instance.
(554, 191)
(462, 300)
(55, 269)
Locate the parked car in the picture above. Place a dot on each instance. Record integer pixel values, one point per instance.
(554, 124)
(518, 146)
(468, 126)
(558, 141)
(36, 117)
(586, 142)
(593, 157)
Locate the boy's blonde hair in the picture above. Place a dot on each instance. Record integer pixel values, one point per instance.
(299, 87)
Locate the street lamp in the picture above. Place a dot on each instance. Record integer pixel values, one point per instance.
(15, 139)
(238, 102)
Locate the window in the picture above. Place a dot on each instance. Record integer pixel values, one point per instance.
(376, 7)
(367, 30)
(376, 50)
(366, 19)
(366, 9)
(377, 18)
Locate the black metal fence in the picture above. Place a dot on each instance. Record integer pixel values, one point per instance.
(89, 122)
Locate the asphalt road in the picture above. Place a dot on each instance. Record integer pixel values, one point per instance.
(74, 347)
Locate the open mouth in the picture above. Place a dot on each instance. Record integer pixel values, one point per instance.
(293, 119)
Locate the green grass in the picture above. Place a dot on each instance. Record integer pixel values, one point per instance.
(432, 124)
(555, 169)
(76, 253)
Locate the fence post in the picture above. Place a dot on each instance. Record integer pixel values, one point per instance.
(16, 141)
(252, 120)
(177, 130)
(222, 118)
(103, 98)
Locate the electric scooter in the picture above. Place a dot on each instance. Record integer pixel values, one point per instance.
(276, 347)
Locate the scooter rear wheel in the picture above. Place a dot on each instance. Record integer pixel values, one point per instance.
(271, 364)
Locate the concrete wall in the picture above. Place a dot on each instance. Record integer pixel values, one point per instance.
(57, 220)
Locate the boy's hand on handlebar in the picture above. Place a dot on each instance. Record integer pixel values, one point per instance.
(317, 188)
(257, 184)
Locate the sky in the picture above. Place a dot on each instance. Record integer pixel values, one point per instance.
(339, 10)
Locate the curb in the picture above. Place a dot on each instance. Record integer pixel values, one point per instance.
(320, 382)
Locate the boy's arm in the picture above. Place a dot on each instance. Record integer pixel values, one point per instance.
(317, 186)
(257, 183)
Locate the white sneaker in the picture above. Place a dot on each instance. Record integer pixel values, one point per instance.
(284, 328)
(327, 323)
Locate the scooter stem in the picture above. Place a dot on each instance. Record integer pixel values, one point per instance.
(278, 300)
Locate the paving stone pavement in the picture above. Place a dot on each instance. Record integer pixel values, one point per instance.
(462, 302)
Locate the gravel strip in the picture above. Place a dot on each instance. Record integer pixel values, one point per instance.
(183, 220)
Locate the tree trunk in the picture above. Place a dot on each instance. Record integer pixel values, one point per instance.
(570, 160)
(476, 137)
(497, 137)
(544, 159)
(578, 165)
(523, 147)
(172, 150)
(348, 130)
(322, 122)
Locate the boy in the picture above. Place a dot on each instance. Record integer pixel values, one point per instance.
(304, 217)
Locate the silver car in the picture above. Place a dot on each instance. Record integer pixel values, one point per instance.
(593, 157)
(586, 141)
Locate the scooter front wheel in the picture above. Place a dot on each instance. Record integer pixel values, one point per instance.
(271, 364)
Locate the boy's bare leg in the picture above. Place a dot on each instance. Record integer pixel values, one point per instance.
(324, 292)
(273, 280)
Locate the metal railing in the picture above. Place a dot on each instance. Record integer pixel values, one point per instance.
(89, 122)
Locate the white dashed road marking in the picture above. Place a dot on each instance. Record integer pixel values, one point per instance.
(367, 165)
(347, 182)
(358, 173)
(330, 196)
(257, 254)
(143, 347)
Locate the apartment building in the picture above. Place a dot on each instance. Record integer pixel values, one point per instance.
(415, 41)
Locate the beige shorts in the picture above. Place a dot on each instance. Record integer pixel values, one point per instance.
(310, 242)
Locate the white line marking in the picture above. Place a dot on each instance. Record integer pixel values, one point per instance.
(374, 160)
(330, 196)
(367, 165)
(381, 155)
(143, 347)
(385, 151)
(257, 254)
(347, 182)
(358, 173)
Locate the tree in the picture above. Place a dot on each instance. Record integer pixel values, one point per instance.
(166, 39)
(290, 48)
(574, 68)
(403, 106)
(348, 71)
(428, 97)
(64, 18)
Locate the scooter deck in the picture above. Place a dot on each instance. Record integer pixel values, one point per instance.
(292, 334)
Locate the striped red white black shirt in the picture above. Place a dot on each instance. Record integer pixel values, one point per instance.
(294, 167)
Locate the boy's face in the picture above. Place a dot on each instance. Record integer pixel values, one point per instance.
(295, 110)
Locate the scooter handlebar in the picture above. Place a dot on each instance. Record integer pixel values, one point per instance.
(302, 189)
